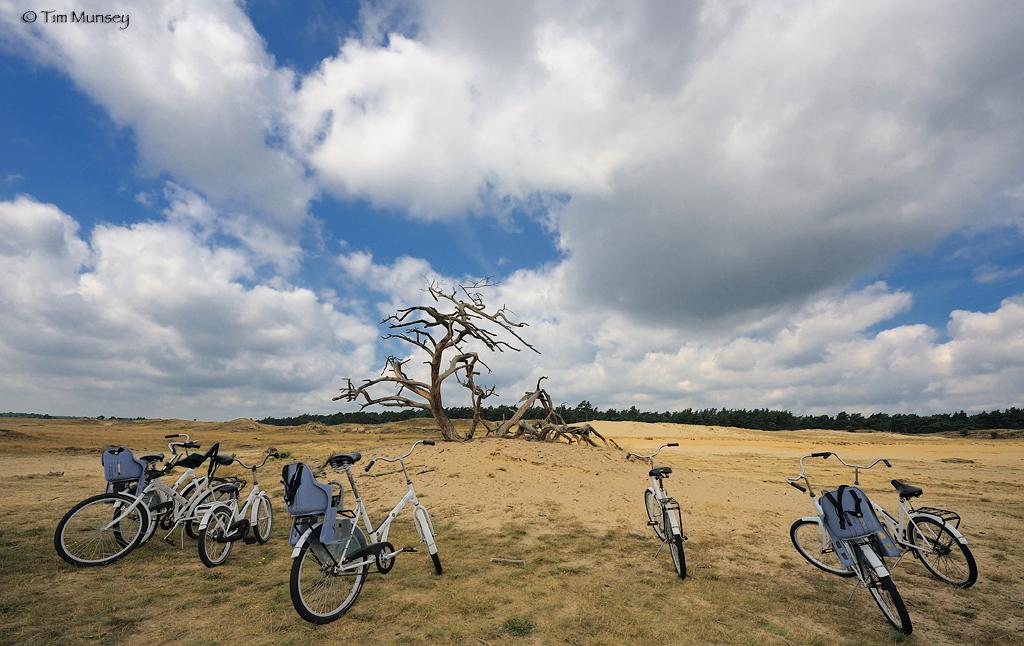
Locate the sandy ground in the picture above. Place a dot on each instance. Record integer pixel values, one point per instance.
(747, 583)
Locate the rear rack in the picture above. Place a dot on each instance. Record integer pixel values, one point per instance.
(945, 514)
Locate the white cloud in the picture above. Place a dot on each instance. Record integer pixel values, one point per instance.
(722, 173)
(154, 319)
(194, 83)
(723, 161)
(833, 353)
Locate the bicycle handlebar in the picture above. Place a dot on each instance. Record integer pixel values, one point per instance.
(271, 453)
(826, 455)
(652, 455)
(384, 458)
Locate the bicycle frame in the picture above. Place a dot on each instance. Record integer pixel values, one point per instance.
(901, 525)
(379, 534)
(184, 509)
(857, 546)
(657, 487)
(668, 504)
(898, 526)
(239, 512)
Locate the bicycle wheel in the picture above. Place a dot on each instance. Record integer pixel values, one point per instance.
(942, 554)
(86, 535)
(675, 548)
(884, 592)
(320, 594)
(806, 537)
(219, 493)
(264, 519)
(438, 570)
(654, 515)
(213, 549)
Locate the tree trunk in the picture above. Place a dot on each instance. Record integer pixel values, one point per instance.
(448, 432)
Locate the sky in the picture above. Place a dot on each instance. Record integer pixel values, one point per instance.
(816, 206)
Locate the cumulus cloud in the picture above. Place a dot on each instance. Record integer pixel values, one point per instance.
(722, 161)
(715, 174)
(155, 318)
(204, 99)
(833, 353)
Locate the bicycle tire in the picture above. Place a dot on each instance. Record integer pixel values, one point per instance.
(885, 594)
(678, 554)
(313, 549)
(192, 526)
(127, 544)
(951, 546)
(263, 536)
(654, 514)
(219, 524)
(438, 570)
(802, 550)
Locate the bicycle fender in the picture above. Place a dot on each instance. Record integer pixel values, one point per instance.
(874, 562)
(252, 512)
(956, 532)
(302, 539)
(209, 513)
(422, 521)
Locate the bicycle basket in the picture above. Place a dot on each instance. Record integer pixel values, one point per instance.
(120, 466)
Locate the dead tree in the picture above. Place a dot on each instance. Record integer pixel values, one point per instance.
(550, 429)
(445, 332)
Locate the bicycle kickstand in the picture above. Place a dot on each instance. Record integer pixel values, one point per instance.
(660, 547)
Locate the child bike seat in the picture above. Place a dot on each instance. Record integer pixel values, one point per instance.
(120, 466)
(304, 497)
(850, 515)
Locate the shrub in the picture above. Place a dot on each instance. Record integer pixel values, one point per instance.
(963, 432)
(518, 626)
(994, 435)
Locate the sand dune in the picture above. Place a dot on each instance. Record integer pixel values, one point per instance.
(575, 514)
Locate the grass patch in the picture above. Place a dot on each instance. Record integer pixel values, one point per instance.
(518, 626)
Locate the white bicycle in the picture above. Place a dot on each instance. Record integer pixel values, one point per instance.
(664, 514)
(226, 522)
(104, 528)
(931, 534)
(862, 551)
(332, 556)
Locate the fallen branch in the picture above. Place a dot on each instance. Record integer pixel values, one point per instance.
(518, 562)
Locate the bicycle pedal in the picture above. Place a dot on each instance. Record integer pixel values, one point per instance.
(167, 540)
(249, 539)
(651, 523)
(408, 549)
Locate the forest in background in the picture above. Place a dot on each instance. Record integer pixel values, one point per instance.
(757, 418)
(763, 419)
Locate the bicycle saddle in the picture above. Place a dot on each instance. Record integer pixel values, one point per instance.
(660, 471)
(225, 459)
(195, 459)
(156, 457)
(907, 491)
(344, 459)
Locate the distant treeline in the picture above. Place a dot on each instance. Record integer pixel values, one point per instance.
(757, 418)
(48, 416)
(35, 415)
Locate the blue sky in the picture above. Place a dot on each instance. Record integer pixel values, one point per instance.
(637, 182)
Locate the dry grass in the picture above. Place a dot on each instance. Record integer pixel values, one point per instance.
(574, 514)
